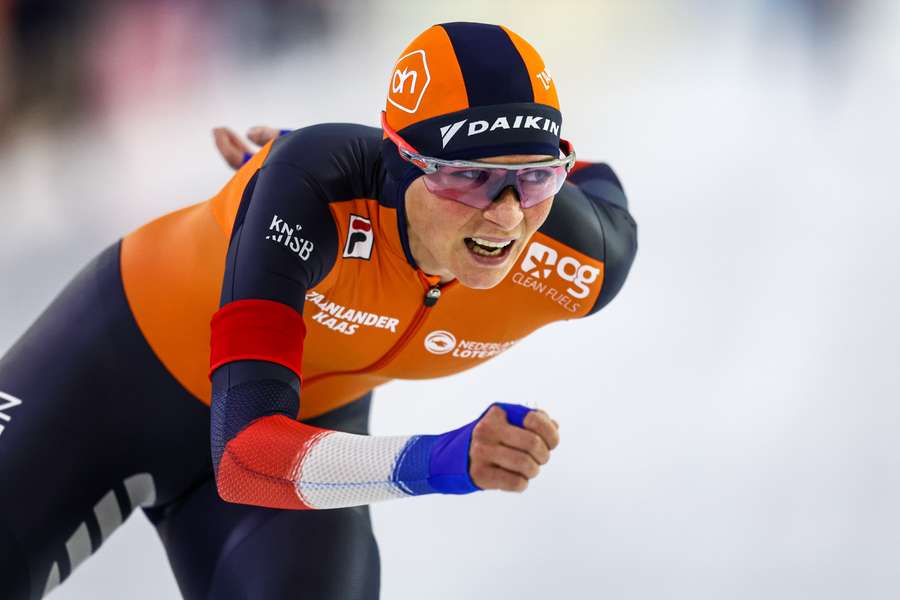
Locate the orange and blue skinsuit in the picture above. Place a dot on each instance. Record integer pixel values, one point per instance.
(302, 265)
(314, 226)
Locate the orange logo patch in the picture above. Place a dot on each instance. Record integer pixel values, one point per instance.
(409, 81)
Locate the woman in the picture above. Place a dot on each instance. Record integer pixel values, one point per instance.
(340, 254)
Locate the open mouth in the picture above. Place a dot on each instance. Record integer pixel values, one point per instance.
(488, 248)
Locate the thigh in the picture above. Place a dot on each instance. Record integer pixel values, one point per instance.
(93, 427)
(231, 551)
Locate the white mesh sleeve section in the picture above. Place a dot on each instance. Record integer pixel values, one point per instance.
(344, 469)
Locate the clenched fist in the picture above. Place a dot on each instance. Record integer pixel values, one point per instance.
(504, 456)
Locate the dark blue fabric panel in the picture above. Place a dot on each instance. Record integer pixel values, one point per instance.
(593, 198)
(242, 208)
(491, 66)
(234, 408)
(620, 235)
(99, 411)
(514, 128)
(235, 551)
(599, 181)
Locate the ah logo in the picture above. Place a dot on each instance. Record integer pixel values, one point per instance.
(359, 238)
(7, 402)
(409, 81)
(539, 262)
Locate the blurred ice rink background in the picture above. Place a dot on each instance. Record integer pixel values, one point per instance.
(730, 422)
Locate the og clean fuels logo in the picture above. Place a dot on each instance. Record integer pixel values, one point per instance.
(542, 262)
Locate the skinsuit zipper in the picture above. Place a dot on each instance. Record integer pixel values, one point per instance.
(433, 292)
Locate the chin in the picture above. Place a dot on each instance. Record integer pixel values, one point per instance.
(481, 283)
(482, 279)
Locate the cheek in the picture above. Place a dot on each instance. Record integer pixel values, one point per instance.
(454, 216)
(442, 222)
(536, 215)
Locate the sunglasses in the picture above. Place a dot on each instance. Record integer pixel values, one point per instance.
(478, 184)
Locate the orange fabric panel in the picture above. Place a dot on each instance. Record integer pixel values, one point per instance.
(338, 367)
(541, 81)
(366, 309)
(172, 272)
(470, 316)
(333, 391)
(225, 204)
(426, 81)
(391, 292)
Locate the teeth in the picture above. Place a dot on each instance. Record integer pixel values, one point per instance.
(486, 247)
(483, 252)
(488, 244)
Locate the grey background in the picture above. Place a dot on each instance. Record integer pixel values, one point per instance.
(729, 423)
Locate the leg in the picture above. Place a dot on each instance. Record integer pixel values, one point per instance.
(95, 428)
(230, 551)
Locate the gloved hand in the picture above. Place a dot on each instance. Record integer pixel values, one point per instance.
(508, 450)
(502, 449)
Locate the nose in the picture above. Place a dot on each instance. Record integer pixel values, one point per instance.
(505, 211)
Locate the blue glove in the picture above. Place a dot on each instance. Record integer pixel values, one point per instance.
(439, 464)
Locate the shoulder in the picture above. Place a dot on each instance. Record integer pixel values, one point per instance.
(590, 215)
(344, 158)
(285, 218)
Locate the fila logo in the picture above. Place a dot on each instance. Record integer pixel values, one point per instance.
(518, 122)
(6, 402)
(539, 262)
(407, 85)
(359, 238)
(545, 79)
(282, 233)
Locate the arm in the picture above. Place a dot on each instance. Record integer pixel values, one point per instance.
(257, 335)
(261, 454)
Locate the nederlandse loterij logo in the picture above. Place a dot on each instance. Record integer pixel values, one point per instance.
(359, 238)
(409, 81)
(539, 262)
(6, 402)
(448, 132)
(440, 342)
(443, 342)
(282, 233)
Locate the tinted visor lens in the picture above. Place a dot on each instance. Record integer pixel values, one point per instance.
(478, 188)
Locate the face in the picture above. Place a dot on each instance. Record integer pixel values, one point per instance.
(456, 241)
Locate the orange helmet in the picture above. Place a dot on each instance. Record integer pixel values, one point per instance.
(471, 90)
